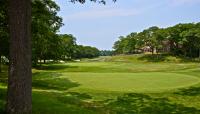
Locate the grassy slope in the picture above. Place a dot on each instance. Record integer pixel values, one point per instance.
(108, 85)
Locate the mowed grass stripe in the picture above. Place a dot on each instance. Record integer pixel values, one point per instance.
(130, 82)
(118, 67)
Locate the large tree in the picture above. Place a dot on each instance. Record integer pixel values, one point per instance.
(67, 46)
(45, 25)
(19, 100)
(149, 38)
(126, 45)
(3, 30)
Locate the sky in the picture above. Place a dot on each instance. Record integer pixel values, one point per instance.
(100, 25)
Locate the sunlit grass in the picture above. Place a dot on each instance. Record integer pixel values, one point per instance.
(131, 82)
(114, 85)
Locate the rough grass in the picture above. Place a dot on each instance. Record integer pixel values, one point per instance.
(114, 85)
(164, 58)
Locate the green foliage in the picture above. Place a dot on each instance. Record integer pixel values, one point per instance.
(67, 46)
(85, 52)
(106, 53)
(83, 1)
(179, 40)
(126, 45)
(46, 43)
(45, 24)
(3, 29)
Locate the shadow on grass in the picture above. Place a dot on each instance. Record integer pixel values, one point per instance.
(54, 67)
(61, 103)
(82, 96)
(143, 104)
(153, 58)
(164, 58)
(132, 103)
(2, 100)
(74, 98)
(3, 77)
(192, 91)
(84, 103)
(52, 81)
(76, 103)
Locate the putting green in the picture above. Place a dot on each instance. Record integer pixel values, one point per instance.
(130, 82)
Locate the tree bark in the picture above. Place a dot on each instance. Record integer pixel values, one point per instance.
(40, 63)
(152, 51)
(19, 97)
(0, 64)
(199, 53)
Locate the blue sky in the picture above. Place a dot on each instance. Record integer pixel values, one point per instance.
(101, 25)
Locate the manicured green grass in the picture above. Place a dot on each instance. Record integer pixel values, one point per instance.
(119, 67)
(130, 82)
(114, 85)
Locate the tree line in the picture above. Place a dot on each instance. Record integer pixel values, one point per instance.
(106, 52)
(179, 40)
(62, 47)
(46, 43)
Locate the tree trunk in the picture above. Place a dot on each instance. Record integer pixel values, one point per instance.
(199, 53)
(152, 51)
(40, 63)
(0, 63)
(157, 53)
(185, 53)
(19, 99)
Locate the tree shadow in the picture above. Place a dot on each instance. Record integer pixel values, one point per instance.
(164, 58)
(3, 77)
(143, 104)
(74, 98)
(2, 100)
(82, 96)
(132, 103)
(52, 81)
(61, 103)
(192, 91)
(54, 67)
(153, 58)
(85, 102)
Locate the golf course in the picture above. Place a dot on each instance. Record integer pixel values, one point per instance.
(114, 85)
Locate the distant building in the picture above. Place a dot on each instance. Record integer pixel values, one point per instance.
(165, 46)
(146, 49)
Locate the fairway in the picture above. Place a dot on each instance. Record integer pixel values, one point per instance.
(112, 87)
(130, 82)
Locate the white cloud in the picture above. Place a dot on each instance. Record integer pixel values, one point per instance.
(183, 2)
(102, 13)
